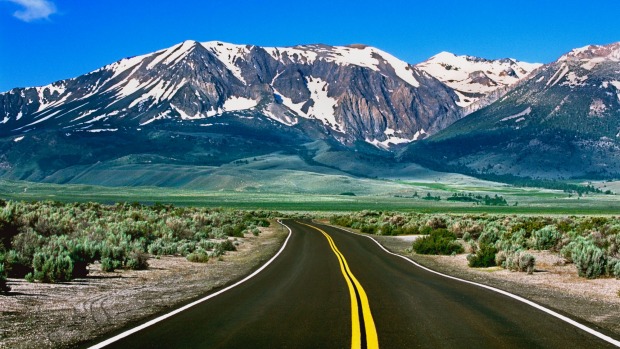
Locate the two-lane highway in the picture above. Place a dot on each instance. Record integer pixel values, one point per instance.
(333, 289)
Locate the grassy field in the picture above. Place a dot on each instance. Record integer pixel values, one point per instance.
(393, 196)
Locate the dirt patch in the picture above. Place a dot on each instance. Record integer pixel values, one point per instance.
(554, 284)
(63, 315)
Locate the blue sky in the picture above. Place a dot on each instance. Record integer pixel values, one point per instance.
(42, 41)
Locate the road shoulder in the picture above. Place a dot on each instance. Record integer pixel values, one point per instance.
(557, 287)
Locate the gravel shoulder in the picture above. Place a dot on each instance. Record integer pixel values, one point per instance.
(554, 284)
(64, 315)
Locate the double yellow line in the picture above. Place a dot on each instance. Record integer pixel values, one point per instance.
(363, 331)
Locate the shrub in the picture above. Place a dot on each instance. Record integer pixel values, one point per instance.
(519, 261)
(52, 268)
(588, 258)
(163, 247)
(137, 260)
(109, 264)
(613, 267)
(221, 248)
(368, 229)
(3, 286)
(500, 258)
(484, 257)
(439, 241)
(546, 238)
(198, 256)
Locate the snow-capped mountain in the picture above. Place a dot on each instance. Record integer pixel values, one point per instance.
(562, 121)
(477, 81)
(353, 93)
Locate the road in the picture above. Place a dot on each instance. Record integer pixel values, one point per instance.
(333, 289)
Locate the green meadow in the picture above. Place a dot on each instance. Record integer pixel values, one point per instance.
(393, 195)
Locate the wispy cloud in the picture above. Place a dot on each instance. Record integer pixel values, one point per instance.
(34, 9)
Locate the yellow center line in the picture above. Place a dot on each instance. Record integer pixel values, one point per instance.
(355, 289)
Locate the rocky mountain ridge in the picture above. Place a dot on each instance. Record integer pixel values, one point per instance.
(355, 93)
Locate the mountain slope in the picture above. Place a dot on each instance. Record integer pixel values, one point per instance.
(477, 81)
(563, 122)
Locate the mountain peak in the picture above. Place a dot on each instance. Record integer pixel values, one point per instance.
(609, 52)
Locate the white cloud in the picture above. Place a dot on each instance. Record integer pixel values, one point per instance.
(34, 9)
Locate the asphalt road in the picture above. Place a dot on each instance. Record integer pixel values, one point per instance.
(332, 289)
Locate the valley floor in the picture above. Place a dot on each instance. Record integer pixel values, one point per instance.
(64, 315)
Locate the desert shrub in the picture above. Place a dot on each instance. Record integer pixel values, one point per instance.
(439, 241)
(263, 223)
(185, 247)
(368, 229)
(518, 261)
(206, 244)
(500, 258)
(490, 235)
(484, 257)
(511, 240)
(163, 247)
(255, 231)
(546, 238)
(589, 259)
(137, 260)
(437, 223)
(221, 247)
(109, 264)
(198, 256)
(3, 274)
(51, 267)
(613, 267)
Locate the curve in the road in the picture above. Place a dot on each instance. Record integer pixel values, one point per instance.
(505, 293)
(363, 330)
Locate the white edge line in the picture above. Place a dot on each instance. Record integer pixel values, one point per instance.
(174, 312)
(514, 296)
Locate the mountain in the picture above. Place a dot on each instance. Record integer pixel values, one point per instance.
(477, 81)
(354, 93)
(213, 103)
(561, 122)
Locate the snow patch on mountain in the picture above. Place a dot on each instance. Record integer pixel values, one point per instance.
(573, 80)
(559, 74)
(184, 115)
(323, 107)
(518, 115)
(102, 130)
(597, 107)
(392, 139)
(616, 84)
(474, 77)
(239, 103)
(55, 89)
(163, 115)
